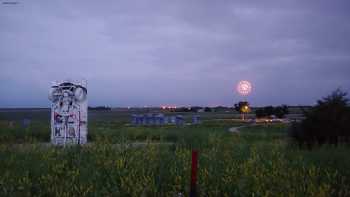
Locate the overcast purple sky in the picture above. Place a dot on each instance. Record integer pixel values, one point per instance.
(136, 53)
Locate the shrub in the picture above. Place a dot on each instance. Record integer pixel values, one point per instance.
(327, 122)
(279, 111)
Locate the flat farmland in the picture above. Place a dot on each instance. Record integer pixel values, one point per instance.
(124, 160)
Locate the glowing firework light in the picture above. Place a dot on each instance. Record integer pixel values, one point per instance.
(244, 88)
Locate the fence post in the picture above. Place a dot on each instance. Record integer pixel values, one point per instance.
(194, 166)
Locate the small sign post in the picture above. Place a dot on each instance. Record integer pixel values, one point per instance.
(194, 167)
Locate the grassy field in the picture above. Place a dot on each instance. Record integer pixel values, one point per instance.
(122, 160)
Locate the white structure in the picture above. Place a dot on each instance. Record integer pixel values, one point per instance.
(68, 112)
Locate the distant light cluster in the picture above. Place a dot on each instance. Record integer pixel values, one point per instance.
(168, 107)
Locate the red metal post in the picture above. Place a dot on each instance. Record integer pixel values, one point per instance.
(193, 189)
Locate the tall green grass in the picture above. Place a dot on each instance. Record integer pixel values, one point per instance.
(258, 161)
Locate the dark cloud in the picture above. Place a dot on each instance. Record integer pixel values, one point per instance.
(175, 52)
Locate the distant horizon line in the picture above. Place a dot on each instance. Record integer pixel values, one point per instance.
(140, 107)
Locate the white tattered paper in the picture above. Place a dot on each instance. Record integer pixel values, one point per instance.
(68, 112)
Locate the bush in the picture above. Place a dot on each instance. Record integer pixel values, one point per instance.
(279, 111)
(327, 122)
(207, 109)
